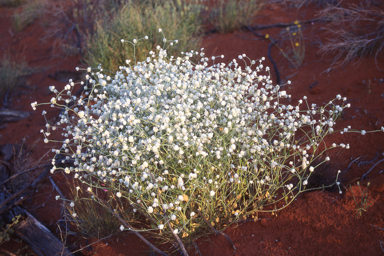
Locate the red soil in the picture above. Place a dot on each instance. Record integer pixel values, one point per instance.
(317, 223)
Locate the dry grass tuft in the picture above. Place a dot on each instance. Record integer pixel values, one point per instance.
(356, 32)
(12, 70)
(23, 160)
(31, 11)
(11, 3)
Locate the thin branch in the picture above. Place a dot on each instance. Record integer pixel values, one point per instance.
(197, 248)
(29, 170)
(365, 175)
(7, 252)
(6, 164)
(274, 64)
(278, 80)
(29, 186)
(92, 243)
(349, 166)
(56, 188)
(215, 230)
(377, 227)
(284, 25)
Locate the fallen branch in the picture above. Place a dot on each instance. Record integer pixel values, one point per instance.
(18, 174)
(274, 64)
(197, 248)
(215, 230)
(39, 238)
(7, 252)
(349, 166)
(283, 25)
(28, 187)
(278, 80)
(9, 115)
(365, 175)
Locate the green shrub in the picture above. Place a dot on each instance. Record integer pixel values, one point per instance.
(134, 20)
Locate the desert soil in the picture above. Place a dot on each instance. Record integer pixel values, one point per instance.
(322, 222)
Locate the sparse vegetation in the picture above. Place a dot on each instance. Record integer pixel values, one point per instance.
(90, 218)
(362, 200)
(12, 69)
(135, 20)
(11, 3)
(6, 229)
(228, 16)
(294, 49)
(31, 11)
(355, 32)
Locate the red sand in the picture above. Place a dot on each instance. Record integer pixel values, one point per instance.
(318, 223)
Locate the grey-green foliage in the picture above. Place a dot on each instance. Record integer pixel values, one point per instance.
(11, 70)
(138, 19)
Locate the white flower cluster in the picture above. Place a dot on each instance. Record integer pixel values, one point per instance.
(166, 131)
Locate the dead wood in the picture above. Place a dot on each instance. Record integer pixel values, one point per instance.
(39, 238)
(9, 115)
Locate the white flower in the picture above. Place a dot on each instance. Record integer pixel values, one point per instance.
(34, 104)
(118, 194)
(173, 217)
(192, 214)
(72, 204)
(150, 209)
(180, 182)
(57, 197)
(81, 114)
(161, 226)
(212, 193)
(74, 215)
(122, 228)
(363, 132)
(175, 231)
(311, 169)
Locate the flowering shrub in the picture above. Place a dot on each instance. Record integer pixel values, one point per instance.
(189, 146)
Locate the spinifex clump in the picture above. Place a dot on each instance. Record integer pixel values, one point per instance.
(189, 144)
